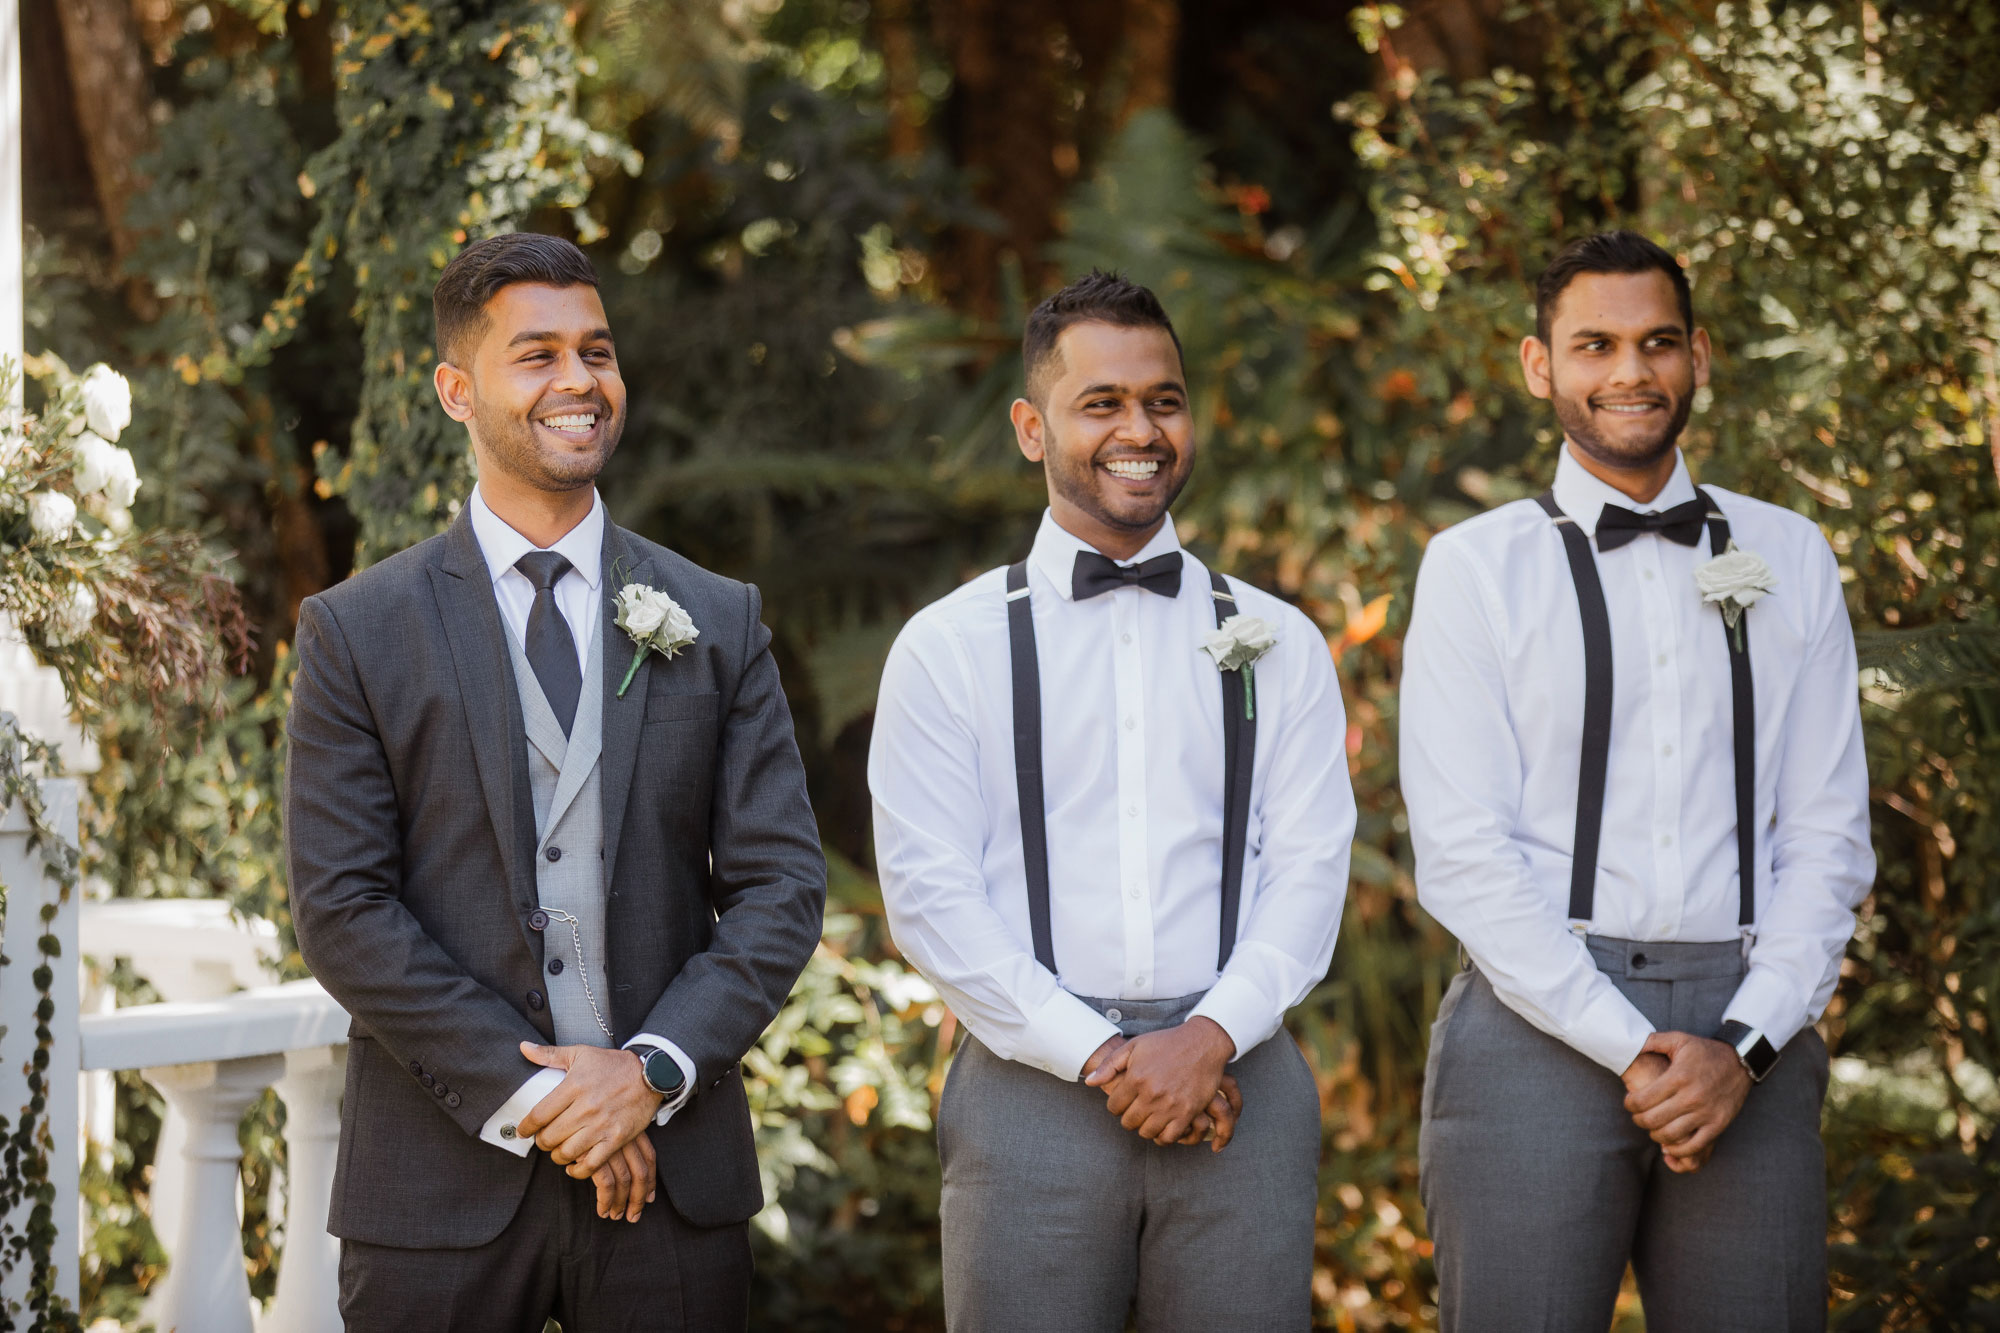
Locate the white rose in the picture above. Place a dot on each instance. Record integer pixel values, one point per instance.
(123, 485)
(52, 515)
(70, 618)
(94, 459)
(1737, 576)
(107, 401)
(641, 610)
(1239, 641)
(117, 521)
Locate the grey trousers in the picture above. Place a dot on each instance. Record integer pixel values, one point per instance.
(1539, 1188)
(1057, 1219)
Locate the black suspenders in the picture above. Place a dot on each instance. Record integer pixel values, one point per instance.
(1596, 757)
(1239, 740)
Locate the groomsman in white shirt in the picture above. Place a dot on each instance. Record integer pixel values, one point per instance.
(1121, 864)
(1636, 790)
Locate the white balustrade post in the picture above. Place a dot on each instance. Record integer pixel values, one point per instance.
(207, 1287)
(29, 889)
(308, 1299)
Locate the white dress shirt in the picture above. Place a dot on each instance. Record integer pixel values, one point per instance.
(1133, 776)
(577, 598)
(1492, 724)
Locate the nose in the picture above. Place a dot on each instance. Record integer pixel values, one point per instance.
(1630, 367)
(572, 375)
(1135, 425)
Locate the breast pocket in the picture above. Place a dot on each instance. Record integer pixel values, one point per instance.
(678, 745)
(683, 708)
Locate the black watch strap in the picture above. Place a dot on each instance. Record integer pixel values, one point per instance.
(1752, 1048)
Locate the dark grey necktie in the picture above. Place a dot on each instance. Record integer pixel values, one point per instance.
(551, 649)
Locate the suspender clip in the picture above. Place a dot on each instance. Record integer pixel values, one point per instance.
(1580, 929)
(1749, 942)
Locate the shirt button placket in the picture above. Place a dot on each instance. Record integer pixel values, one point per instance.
(1129, 738)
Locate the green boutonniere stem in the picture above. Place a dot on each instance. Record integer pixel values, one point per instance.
(632, 671)
(1249, 692)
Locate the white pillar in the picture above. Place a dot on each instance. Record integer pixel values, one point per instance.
(29, 889)
(308, 1299)
(207, 1287)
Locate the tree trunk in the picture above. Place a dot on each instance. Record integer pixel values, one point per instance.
(1152, 36)
(107, 72)
(897, 38)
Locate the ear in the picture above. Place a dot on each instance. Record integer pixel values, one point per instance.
(1699, 348)
(1029, 428)
(454, 391)
(1535, 365)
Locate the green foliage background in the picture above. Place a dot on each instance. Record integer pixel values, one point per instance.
(811, 413)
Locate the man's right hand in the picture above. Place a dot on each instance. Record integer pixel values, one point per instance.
(1649, 1066)
(626, 1183)
(1215, 1125)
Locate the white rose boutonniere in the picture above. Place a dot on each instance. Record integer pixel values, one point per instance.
(1735, 580)
(655, 622)
(1236, 644)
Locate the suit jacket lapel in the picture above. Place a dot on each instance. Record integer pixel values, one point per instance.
(484, 664)
(624, 719)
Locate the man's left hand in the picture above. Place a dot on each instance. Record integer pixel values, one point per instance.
(1687, 1108)
(601, 1105)
(1158, 1083)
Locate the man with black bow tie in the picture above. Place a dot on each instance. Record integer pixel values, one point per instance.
(1112, 818)
(1631, 751)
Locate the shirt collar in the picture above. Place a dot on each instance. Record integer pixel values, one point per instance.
(582, 545)
(1583, 496)
(1055, 549)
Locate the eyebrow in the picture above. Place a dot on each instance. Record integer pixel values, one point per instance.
(550, 336)
(1585, 335)
(1096, 389)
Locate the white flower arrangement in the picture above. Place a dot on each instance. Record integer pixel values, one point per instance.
(1736, 580)
(655, 623)
(1235, 645)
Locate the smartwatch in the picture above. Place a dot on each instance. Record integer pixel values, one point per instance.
(1752, 1050)
(663, 1073)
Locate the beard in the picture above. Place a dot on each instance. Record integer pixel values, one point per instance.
(1078, 481)
(1577, 422)
(517, 449)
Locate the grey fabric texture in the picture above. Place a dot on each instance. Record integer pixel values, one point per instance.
(1057, 1219)
(566, 782)
(1538, 1188)
(559, 1257)
(411, 842)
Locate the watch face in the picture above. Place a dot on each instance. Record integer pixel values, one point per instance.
(663, 1073)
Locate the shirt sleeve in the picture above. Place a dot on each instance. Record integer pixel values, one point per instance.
(539, 1085)
(679, 1099)
(1462, 784)
(930, 829)
(1306, 818)
(1822, 863)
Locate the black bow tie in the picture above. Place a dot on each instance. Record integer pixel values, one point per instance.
(1618, 525)
(1095, 574)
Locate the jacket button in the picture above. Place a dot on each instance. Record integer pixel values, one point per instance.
(426, 1080)
(535, 1000)
(538, 920)
(553, 853)
(416, 1067)
(452, 1099)
(555, 967)
(440, 1091)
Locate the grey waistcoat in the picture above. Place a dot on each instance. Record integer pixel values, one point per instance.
(569, 846)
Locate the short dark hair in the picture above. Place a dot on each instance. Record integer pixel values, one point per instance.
(458, 302)
(1606, 252)
(1106, 298)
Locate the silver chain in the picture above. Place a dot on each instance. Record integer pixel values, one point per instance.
(582, 972)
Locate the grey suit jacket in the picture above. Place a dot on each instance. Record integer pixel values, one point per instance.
(410, 830)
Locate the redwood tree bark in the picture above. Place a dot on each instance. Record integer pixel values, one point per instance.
(107, 72)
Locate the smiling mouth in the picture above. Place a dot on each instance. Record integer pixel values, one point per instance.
(577, 425)
(1630, 409)
(1134, 469)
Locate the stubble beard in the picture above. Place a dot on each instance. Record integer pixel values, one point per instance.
(1575, 419)
(1077, 484)
(514, 447)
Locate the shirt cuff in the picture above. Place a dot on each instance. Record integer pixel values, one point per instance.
(679, 1099)
(1062, 1034)
(1238, 1008)
(1764, 1001)
(499, 1127)
(1611, 1031)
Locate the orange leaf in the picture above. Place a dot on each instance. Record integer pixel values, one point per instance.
(1366, 625)
(859, 1103)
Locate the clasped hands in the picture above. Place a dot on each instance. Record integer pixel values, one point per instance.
(594, 1124)
(1169, 1086)
(1684, 1091)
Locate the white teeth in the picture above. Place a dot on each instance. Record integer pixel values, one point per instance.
(574, 421)
(1138, 471)
(1633, 408)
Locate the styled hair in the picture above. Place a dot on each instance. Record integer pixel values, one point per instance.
(458, 302)
(1606, 252)
(1105, 298)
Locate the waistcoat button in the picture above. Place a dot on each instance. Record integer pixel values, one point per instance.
(555, 967)
(554, 853)
(535, 1000)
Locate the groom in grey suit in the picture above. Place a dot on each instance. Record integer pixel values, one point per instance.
(561, 891)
